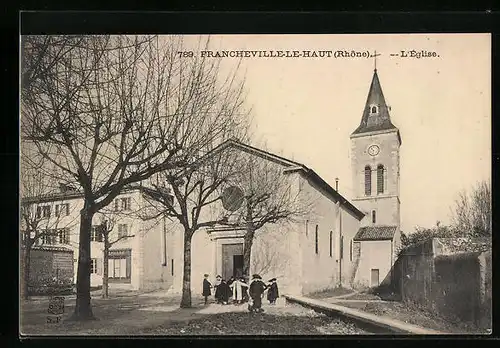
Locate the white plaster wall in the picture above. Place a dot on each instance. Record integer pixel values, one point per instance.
(202, 253)
(276, 253)
(318, 270)
(350, 226)
(376, 255)
(72, 222)
(155, 271)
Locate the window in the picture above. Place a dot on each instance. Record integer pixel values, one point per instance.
(43, 211)
(48, 237)
(368, 181)
(63, 235)
(62, 209)
(120, 264)
(380, 178)
(373, 109)
(164, 246)
(316, 240)
(117, 268)
(374, 217)
(123, 203)
(342, 247)
(96, 234)
(350, 250)
(172, 264)
(56, 236)
(93, 266)
(122, 230)
(331, 243)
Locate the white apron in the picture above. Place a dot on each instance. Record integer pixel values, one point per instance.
(237, 287)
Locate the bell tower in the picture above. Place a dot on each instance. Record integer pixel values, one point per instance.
(375, 148)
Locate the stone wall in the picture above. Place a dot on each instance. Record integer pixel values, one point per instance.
(455, 285)
(49, 263)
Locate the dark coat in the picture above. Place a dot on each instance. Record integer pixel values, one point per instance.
(257, 288)
(218, 290)
(272, 292)
(206, 288)
(224, 291)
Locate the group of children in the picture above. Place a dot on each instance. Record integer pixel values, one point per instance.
(240, 291)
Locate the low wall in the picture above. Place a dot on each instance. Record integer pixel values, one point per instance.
(48, 263)
(51, 268)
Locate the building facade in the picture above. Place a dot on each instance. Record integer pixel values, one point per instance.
(303, 254)
(335, 243)
(135, 241)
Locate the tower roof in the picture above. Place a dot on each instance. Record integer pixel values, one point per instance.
(376, 113)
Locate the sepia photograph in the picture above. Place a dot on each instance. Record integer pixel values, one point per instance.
(255, 185)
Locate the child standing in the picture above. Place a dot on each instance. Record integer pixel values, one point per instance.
(237, 286)
(272, 292)
(256, 290)
(218, 289)
(224, 292)
(206, 288)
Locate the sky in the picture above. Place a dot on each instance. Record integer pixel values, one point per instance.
(306, 108)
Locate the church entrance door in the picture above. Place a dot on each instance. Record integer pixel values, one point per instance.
(375, 277)
(232, 260)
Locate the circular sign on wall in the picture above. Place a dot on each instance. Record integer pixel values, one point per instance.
(232, 198)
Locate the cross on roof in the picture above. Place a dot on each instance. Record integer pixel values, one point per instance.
(375, 58)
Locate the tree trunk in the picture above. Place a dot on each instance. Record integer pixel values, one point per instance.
(105, 270)
(247, 250)
(186, 278)
(83, 308)
(26, 271)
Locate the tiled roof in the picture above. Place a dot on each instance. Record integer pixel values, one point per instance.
(59, 196)
(291, 165)
(50, 248)
(375, 233)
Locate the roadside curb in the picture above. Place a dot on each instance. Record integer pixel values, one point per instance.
(394, 326)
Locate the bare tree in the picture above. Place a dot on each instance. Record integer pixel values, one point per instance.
(471, 214)
(103, 232)
(193, 200)
(269, 197)
(115, 110)
(108, 232)
(41, 54)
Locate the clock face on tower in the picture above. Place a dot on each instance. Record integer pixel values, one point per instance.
(373, 150)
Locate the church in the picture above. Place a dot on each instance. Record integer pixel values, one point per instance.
(349, 243)
(339, 242)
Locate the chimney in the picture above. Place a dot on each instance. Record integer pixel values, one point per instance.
(337, 184)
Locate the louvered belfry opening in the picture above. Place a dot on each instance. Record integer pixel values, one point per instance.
(380, 178)
(368, 181)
